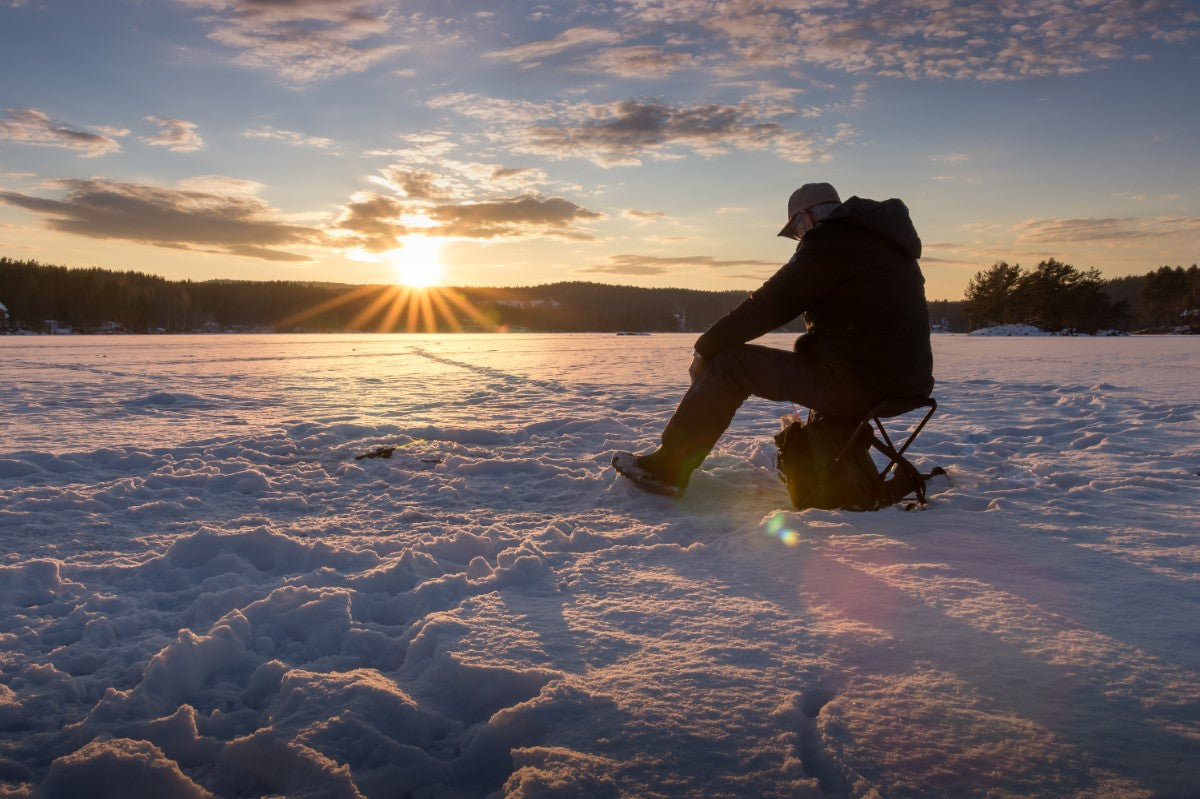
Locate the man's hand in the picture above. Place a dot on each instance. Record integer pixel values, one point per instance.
(696, 368)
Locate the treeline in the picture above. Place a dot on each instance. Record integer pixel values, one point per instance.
(98, 300)
(1054, 296)
(1163, 300)
(1059, 297)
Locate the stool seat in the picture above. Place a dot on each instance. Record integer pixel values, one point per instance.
(898, 406)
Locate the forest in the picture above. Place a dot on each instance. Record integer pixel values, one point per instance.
(42, 298)
(46, 298)
(1059, 297)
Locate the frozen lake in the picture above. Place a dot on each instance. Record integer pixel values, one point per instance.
(203, 592)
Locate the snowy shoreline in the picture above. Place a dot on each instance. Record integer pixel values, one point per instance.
(205, 594)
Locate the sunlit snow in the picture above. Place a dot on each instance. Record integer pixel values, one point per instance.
(204, 593)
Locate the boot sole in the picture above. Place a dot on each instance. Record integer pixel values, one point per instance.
(626, 465)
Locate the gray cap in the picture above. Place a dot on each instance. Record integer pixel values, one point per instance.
(805, 197)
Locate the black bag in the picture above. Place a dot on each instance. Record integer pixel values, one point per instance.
(821, 471)
(824, 465)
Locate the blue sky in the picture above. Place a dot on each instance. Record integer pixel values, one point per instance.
(643, 142)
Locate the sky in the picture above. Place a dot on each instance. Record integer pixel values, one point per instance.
(639, 142)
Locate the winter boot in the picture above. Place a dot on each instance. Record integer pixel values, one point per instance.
(662, 471)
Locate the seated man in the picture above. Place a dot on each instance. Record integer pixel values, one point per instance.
(855, 278)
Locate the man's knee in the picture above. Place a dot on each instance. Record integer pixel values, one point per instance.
(774, 374)
(728, 368)
(730, 360)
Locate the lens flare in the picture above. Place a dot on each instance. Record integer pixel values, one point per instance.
(778, 527)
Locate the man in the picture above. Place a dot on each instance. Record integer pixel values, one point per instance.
(855, 278)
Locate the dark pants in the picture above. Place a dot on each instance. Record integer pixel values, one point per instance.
(736, 373)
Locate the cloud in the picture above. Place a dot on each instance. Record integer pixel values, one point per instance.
(1052, 230)
(638, 215)
(233, 222)
(289, 137)
(961, 180)
(428, 172)
(917, 39)
(373, 222)
(427, 146)
(623, 133)
(419, 184)
(175, 134)
(647, 62)
(568, 39)
(632, 270)
(496, 111)
(511, 178)
(626, 131)
(436, 195)
(31, 126)
(302, 41)
(309, 40)
(655, 265)
(515, 217)
(1038, 231)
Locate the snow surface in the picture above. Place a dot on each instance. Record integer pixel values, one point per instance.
(203, 592)
(1010, 330)
(1033, 330)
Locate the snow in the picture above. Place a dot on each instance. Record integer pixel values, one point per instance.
(1032, 330)
(1010, 330)
(204, 593)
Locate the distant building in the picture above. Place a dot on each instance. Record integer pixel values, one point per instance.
(3, 315)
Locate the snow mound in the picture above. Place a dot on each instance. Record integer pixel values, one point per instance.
(1010, 330)
(1032, 330)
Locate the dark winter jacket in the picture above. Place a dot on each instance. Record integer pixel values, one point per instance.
(855, 278)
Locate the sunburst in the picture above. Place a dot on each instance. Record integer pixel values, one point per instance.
(402, 308)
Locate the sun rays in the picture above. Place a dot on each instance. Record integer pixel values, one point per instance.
(400, 309)
(395, 309)
(416, 303)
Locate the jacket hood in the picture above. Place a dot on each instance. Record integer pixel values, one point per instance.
(888, 219)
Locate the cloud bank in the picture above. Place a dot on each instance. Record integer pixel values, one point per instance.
(302, 41)
(431, 193)
(643, 265)
(1038, 231)
(31, 126)
(231, 222)
(624, 132)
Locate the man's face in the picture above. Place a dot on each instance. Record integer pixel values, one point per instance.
(801, 223)
(796, 228)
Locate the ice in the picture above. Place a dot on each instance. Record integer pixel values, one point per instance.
(205, 593)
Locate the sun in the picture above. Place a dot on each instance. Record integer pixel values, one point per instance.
(418, 263)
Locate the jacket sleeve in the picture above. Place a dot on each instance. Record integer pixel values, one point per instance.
(788, 293)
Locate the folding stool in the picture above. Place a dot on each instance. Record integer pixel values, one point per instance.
(872, 427)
